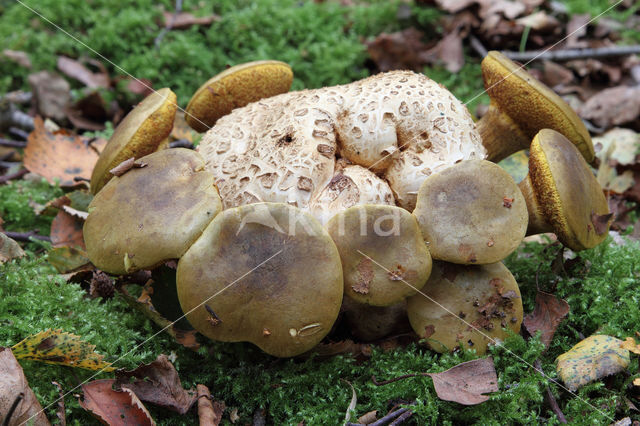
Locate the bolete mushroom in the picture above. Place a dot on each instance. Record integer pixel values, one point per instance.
(520, 106)
(285, 148)
(152, 213)
(141, 132)
(265, 273)
(471, 213)
(234, 88)
(563, 195)
(384, 257)
(466, 305)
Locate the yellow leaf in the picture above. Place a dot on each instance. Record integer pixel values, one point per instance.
(591, 359)
(58, 347)
(636, 382)
(630, 345)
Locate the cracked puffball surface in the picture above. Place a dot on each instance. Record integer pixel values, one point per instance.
(399, 126)
(286, 305)
(471, 213)
(151, 214)
(388, 235)
(483, 297)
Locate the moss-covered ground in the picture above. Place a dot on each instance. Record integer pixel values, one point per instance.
(323, 43)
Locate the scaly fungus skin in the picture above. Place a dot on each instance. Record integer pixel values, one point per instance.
(471, 213)
(520, 107)
(234, 88)
(265, 273)
(151, 214)
(563, 195)
(474, 306)
(141, 132)
(401, 125)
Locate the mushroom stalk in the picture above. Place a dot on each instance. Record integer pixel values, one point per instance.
(500, 135)
(537, 223)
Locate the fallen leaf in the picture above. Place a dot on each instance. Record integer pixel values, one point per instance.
(540, 21)
(66, 231)
(77, 71)
(181, 130)
(546, 316)
(618, 145)
(631, 345)
(185, 20)
(14, 385)
(591, 359)
(58, 157)
(67, 259)
(467, 383)
(58, 347)
(400, 50)
(233, 416)
(368, 418)
(114, 408)
(140, 86)
(9, 249)
(613, 106)
(554, 74)
(636, 382)
(19, 57)
(577, 28)
(352, 404)
(517, 165)
(157, 383)
(449, 51)
(125, 166)
(209, 413)
(51, 94)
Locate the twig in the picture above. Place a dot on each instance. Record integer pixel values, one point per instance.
(169, 25)
(562, 55)
(205, 408)
(12, 144)
(389, 417)
(19, 133)
(395, 379)
(17, 97)
(478, 46)
(16, 175)
(402, 418)
(26, 236)
(12, 409)
(551, 400)
(8, 164)
(14, 117)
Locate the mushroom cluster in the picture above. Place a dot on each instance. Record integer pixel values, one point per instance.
(376, 199)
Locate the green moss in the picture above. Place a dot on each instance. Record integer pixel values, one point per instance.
(18, 200)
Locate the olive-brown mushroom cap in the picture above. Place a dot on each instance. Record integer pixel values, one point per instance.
(530, 105)
(562, 193)
(474, 304)
(234, 88)
(140, 133)
(151, 214)
(471, 213)
(266, 273)
(384, 257)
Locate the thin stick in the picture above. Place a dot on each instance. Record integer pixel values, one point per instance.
(562, 55)
(389, 417)
(19, 133)
(181, 143)
(551, 400)
(478, 46)
(12, 144)
(395, 379)
(402, 418)
(26, 236)
(169, 25)
(16, 175)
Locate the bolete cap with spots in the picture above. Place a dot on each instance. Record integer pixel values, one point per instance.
(563, 195)
(471, 213)
(384, 257)
(475, 303)
(140, 133)
(234, 88)
(152, 213)
(265, 273)
(520, 107)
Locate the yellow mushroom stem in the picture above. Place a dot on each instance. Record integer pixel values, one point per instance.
(500, 135)
(537, 222)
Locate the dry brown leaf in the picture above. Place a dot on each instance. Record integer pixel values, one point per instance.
(77, 70)
(449, 51)
(467, 383)
(577, 28)
(185, 20)
(57, 156)
(66, 231)
(127, 165)
(157, 383)
(209, 413)
(114, 408)
(547, 315)
(12, 385)
(539, 21)
(9, 249)
(19, 57)
(400, 50)
(368, 418)
(51, 93)
(612, 107)
(631, 345)
(140, 86)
